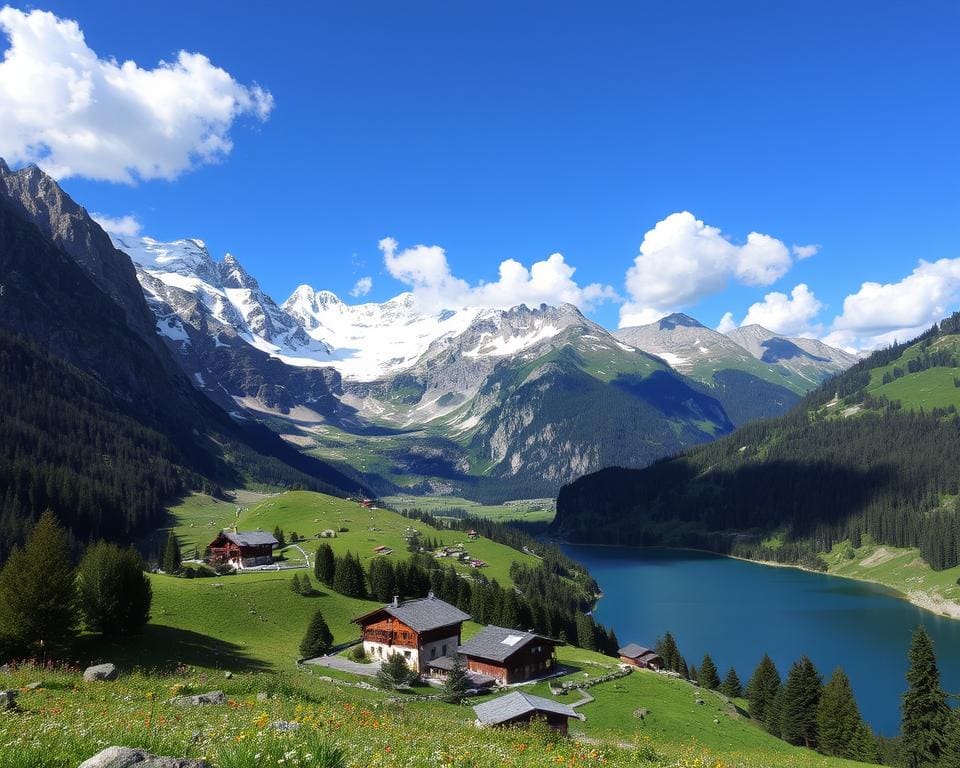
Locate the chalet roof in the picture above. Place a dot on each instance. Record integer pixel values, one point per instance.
(499, 643)
(421, 615)
(445, 663)
(250, 538)
(634, 651)
(518, 704)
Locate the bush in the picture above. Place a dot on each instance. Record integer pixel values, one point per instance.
(114, 592)
(359, 655)
(394, 673)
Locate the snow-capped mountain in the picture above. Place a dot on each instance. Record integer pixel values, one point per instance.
(370, 341)
(183, 271)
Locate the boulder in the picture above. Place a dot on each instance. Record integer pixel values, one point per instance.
(100, 672)
(125, 757)
(33, 686)
(201, 699)
(284, 725)
(8, 700)
(263, 696)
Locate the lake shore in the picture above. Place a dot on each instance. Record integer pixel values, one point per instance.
(930, 601)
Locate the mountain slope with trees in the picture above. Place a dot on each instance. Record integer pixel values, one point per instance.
(848, 462)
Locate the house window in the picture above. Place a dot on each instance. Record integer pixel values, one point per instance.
(433, 653)
(444, 649)
(406, 654)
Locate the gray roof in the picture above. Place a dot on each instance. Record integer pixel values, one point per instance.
(250, 538)
(518, 704)
(500, 643)
(634, 651)
(444, 662)
(424, 614)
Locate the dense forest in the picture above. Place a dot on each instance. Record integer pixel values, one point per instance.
(841, 465)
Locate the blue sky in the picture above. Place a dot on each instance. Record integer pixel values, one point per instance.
(498, 132)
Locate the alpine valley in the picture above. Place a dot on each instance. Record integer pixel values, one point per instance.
(491, 404)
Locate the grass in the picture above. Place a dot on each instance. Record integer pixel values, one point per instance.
(525, 510)
(251, 625)
(66, 720)
(901, 569)
(932, 388)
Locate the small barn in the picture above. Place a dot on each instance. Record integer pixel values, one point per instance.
(510, 655)
(519, 707)
(243, 549)
(638, 656)
(419, 630)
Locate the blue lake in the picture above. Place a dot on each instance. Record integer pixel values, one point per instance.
(736, 611)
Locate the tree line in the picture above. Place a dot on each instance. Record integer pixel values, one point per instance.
(484, 599)
(805, 711)
(45, 599)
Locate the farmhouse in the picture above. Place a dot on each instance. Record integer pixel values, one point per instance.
(638, 656)
(243, 549)
(519, 707)
(510, 655)
(419, 630)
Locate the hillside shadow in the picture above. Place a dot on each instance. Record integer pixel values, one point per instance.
(164, 648)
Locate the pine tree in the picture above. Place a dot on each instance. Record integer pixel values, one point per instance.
(731, 686)
(841, 731)
(38, 594)
(318, 639)
(694, 674)
(925, 710)
(278, 535)
(668, 651)
(295, 584)
(394, 673)
(324, 564)
(382, 580)
(457, 683)
(801, 698)
(114, 592)
(585, 634)
(306, 588)
(762, 690)
(708, 677)
(951, 752)
(171, 554)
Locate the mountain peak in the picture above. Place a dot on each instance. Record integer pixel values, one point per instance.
(4, 168)
(234, 275)
(678, 320)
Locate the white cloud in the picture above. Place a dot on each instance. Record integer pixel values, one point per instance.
(727, 323)
(426, 270)
(788, 315)
(76, 114)
(681, 260)
(806, 251)
(128, 225)
(362, 287)
(881, 313)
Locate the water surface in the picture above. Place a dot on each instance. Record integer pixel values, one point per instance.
(737, 611)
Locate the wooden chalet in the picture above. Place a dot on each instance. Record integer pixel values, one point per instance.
(510, 655)
(518, 707)
(419, 630)
(638, 656)
(243, 549)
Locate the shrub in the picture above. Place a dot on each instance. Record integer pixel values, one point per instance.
(318, 640)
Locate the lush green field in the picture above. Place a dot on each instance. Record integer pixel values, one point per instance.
(199, 518)
(932, 388)
(67, 720)
(901, 569)
(525, 510)
(251, 626)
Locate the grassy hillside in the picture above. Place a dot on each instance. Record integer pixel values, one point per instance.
(522, 510)
(251, 625)
(66, 720)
